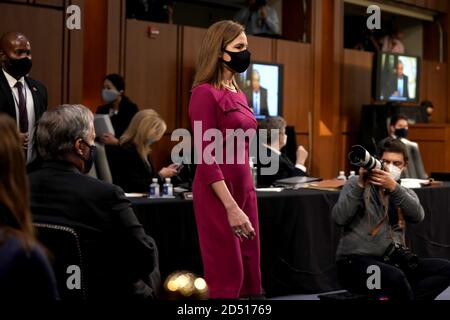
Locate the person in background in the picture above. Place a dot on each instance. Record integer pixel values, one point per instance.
(257, 95)
(122, 260)
(259, 19)
(151, 10)
(119, 107)
(130, 163)
(399, 84)
(225, 204)
(21, 97)
(392, 42)
(373, 210)
(273, 148)
(399, 129)
(25, 272)
(428, 109)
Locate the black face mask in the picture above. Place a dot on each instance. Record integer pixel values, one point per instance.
(240, 61)
(18, 68)
(401, 133)
(89, 162)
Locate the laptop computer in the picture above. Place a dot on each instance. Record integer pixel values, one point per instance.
(295, 181)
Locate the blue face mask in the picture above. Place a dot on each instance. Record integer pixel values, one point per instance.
(401, 133)
(110, 95)
(150, 142)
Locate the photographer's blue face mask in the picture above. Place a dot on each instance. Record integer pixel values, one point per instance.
(401, 133)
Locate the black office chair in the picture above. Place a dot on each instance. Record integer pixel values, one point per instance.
(65, 251)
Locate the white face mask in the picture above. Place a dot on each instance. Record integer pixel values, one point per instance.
(395, 172)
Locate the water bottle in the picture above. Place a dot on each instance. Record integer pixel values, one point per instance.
(154, 189)
(254, 172)
(342, 176)
(352, 174)
(168, 188)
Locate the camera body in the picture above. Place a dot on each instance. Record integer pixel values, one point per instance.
(360, 157)
(401, 257)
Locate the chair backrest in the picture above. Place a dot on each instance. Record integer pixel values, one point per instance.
(66, 251)
(101, 164)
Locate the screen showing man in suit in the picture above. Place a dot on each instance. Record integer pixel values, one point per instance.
(399, 78)
(262, 86)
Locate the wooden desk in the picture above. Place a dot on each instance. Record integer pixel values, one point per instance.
(434, 144)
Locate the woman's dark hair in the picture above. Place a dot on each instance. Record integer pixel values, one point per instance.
(117, 80)
(15, 215)
(394, 146)
(396, 118)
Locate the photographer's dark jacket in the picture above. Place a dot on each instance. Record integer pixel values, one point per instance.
(351, 213)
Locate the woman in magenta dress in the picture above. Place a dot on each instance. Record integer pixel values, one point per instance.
(224, 194)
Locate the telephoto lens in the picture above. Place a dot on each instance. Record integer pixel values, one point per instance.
(360, 157)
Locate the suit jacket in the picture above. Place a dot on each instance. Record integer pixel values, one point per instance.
(120, 121)
(38, 90)
(263, 106)
(393, 87)
(128, 170)
(122, 261)
(286, 169)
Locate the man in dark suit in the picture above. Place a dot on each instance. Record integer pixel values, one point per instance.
(122, 260)
(257, 95)
(399, 83)
(22, 97)
(276, 126)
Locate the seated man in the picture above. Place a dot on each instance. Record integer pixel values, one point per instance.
(373, 210)
(398, 129)
(121, 260)
(273, 149)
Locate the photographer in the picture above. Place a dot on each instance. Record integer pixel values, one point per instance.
(259, 19)
(373, 209)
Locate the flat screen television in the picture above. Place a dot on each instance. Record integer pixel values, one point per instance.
(397, 78)
(263, 85)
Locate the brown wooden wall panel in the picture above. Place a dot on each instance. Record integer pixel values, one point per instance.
(44, 28)
(192, 39)
(356, 86)
(151, 68)
(433, 142)
(262, 49)
(56, 3)
(298, 72)
(434, 88)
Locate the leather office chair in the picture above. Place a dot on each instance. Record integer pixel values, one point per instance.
(102, 165)
(64, 246)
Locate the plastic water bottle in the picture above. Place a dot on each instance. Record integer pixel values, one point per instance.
(342, 176)
(168, 188)
(254, 172)
(154, 189)
(352, 174)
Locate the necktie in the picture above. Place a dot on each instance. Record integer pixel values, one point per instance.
(23, 115)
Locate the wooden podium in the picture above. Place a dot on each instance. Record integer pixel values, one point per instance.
(434, 144)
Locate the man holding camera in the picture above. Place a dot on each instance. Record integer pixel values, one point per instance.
(373, 210)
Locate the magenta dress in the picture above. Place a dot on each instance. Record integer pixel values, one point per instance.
(231, 267)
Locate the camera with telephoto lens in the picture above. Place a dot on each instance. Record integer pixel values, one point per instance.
(360, 157)
(401, 257)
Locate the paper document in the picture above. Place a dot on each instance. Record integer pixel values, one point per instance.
(102, 124)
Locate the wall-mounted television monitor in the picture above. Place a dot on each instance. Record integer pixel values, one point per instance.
(397, 78)
(263, 85)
